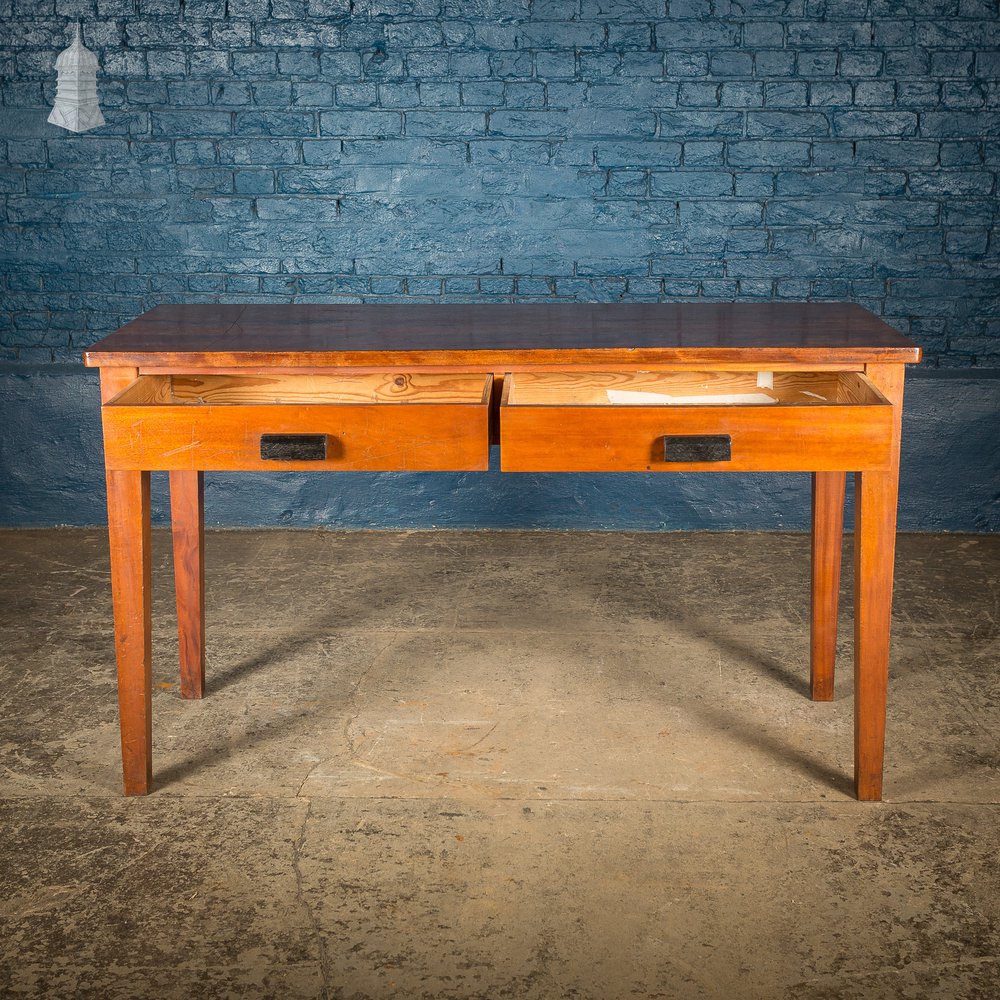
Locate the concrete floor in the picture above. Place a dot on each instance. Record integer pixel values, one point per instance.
(498, 765)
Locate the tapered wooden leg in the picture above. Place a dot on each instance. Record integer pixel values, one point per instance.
(131, 579)
(827, 543)
(187, 509)
(874, 550)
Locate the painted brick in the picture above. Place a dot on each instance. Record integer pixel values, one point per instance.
(964, 94)
(686, 124)
(482, 94)
(277, 123)
(372, 124)
(752, 153)
(890, 124)
(366, 95)
(703, 35)
(949, 124)
(965, 153)
(687, 64)
(861, 63)
(830, 93)
(629, 36)
(625, 153)
(446, 95)
(231, 33)
(731, 63)
(741, 95)
(957, 184)
(875, 93)
(690, 183)
(763, 34)
(703, 154)
(248, 65)
(447, 123)
(699, 94)
(771, 63)
(781, 124)
(633, 94)
(208, 63)
(319, 149)
(817, 63)
(555, 65)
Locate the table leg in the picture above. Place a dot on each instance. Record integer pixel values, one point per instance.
(187, 511)
(874, 551)
(131, 580)
(827, 544)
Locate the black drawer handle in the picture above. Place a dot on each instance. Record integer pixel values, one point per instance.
(697, 448)
(293, 447)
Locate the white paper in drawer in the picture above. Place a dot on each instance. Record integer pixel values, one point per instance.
(624, 397)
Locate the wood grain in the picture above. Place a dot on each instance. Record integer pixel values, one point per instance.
(116, 380)
(875, 499)
(377, 437)
(688, 387)
(489, 336)
(131, 585)
(827, 545)
(568, 438)
(419, 396)
(280, 389)
(187, 513)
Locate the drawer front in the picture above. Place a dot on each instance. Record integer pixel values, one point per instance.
(378, 436)
(581, 437)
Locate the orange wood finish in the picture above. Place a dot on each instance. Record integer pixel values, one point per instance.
(875, 498)
(187, 514)
(116, 380)
(131, 586)
(309, 388)
(568, 437)
(691, 388)
(379, 437)
(827, 543)
(490, 337)
(190, 388)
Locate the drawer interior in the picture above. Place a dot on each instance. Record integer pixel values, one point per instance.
(688, 388)
(299, 390)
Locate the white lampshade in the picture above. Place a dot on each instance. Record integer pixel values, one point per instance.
(76, 106)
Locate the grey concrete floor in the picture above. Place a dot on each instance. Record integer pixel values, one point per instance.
(498, 765)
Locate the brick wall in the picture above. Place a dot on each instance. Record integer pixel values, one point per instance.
(368, 150)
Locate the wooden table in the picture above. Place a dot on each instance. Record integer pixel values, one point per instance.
(778, 387)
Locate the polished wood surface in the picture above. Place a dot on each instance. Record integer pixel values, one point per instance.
(828, 490)
(114, 381)
(488, 335)
(131, 590)
(875, 498)
(814, 387)
(385, 436)
(568, 437)
(187, 516)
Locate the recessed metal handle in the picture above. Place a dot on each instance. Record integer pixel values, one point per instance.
(293, 447)
(697, 448)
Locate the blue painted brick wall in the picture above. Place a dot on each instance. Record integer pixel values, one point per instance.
(373, 150)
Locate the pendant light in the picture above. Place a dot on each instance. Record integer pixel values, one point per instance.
(76, 106)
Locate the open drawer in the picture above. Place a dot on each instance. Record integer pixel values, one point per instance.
(383, 421)
(693, 421)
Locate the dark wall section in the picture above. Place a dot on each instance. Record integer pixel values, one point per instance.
(346, 150)
(500, 150)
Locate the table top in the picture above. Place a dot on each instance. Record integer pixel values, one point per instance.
(499, 334)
